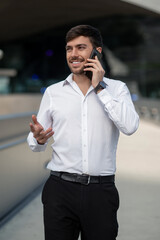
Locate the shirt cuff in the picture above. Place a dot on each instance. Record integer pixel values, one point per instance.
(33, 144)
(104, 96)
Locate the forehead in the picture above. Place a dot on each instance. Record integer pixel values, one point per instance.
(79, 40)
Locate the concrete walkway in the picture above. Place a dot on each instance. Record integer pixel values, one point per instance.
(138, 181)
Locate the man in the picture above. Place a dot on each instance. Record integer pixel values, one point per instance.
(85, 115)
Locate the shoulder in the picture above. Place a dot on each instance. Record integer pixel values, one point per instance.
(114, 86)
(55, 88)
(113, 82)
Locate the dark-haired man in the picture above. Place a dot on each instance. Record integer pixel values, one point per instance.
(85, 115)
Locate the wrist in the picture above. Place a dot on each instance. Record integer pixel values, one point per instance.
(99, 91)
(100, 86)
(40, 143)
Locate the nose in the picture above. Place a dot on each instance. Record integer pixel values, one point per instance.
(74, 52)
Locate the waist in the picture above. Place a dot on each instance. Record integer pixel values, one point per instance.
(83, 178)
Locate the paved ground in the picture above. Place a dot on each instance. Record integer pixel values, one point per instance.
(138, 181)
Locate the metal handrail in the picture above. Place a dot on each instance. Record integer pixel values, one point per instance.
(8, 145)
(14, 116)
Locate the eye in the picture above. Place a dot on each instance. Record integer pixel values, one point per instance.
(68, 49)
(81, 47)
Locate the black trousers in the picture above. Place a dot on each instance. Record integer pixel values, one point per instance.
(71, 208)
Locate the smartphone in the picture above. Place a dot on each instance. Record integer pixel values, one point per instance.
(94, 53)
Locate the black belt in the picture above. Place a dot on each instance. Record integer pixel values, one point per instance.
(83, 179)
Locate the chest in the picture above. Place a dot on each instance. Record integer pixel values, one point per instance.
(72, 108)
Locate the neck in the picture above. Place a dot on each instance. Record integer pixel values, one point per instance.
(82, 81)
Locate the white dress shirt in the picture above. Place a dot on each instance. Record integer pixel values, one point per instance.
(86, 127)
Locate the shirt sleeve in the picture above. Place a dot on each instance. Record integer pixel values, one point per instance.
(120, 109)
(45, 119)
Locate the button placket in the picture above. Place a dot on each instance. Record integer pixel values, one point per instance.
(84, 136)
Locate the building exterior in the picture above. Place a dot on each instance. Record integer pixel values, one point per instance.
(32, 56)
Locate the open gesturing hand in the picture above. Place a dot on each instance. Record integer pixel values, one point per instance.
(38, 131)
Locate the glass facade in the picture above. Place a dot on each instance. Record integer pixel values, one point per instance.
(131, 54)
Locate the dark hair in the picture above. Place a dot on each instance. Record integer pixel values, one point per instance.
(87, 31)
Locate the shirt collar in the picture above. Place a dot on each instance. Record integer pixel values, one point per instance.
(69, 79)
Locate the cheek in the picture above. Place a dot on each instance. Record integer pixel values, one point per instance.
(67, 59)
(87, 55)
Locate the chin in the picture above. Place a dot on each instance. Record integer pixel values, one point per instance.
(77, 72)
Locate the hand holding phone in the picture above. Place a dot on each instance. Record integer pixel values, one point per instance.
(94, 53)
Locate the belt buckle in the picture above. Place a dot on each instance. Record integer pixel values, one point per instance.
(88, 179)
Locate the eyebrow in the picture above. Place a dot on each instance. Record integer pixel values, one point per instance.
(78, 45)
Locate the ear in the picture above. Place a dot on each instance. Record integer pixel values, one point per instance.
(99, 49)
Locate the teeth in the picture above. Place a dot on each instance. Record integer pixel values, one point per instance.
(76, 62)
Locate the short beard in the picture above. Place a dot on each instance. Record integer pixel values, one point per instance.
(79, 72)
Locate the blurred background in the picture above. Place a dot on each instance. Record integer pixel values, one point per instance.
(32, 57)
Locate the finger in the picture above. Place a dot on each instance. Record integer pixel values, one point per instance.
(49, 134)
(96, 61)
(48, 131)
(43, 138)
(93, 65)
(44, 134)
(37, 126)
(93, 60)
(38, 133)
(91, 69)
(34, 119)
(32, 127)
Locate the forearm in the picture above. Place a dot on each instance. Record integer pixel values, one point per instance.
(121, 111)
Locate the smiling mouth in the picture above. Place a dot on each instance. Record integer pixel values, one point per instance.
(76, 62)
